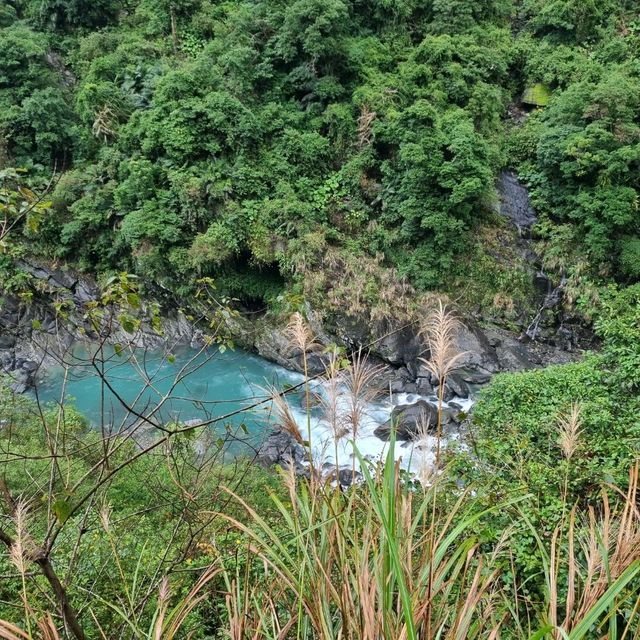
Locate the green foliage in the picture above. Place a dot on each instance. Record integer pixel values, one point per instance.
(116, 564)
(619, 326)
(69, 14)
(570, 19)
(279, 121)
(518, 415)
(515, 425)
(517, 445)
(581, 155)
(630, 257)
(35, 118)
(22, 212)
(326, 148)
(211, 138)
(437, 180)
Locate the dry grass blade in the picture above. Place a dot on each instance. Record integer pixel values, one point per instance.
(365, 122)
(361, 376)
(298, 333)
(163, 604)
(104, 514)
(18, 551)
(284, 414)
(176, 618)
(610, 547)
(330, 400)
(353, 566)
(360, 379)
(9, 631)
(47, 628)
(439, 330)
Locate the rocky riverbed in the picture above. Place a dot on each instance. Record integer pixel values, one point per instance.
(410, 390)
(34, 336)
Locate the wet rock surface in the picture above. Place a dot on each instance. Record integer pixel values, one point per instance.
(552, 323)
(281, 448)
(457, 385)
(33, 333)
(412, 420)
(485, 351)
(34, 336)
(514, 201)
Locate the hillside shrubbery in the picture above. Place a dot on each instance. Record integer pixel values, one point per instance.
(198, 138)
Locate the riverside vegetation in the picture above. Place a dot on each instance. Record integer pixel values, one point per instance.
(338, 156)
(534, 533)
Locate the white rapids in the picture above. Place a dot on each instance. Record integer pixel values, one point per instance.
(334, 446)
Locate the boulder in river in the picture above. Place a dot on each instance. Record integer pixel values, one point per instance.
(424, 386)
(281, 448)
(409, 419)
(457, 385)
(345, 477)
(398, 348)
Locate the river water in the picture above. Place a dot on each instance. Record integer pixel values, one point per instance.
(191, 384)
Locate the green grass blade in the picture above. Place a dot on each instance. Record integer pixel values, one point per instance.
(605, 601)
(390, 540)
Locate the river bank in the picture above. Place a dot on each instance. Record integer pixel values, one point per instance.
(36, 339)
(36, 329)
(34, 335)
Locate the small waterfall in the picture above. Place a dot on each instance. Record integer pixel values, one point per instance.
(514, 202)
(551, 301)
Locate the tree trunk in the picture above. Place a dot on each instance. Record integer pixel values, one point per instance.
(40, 558)
(174, 30)
(68, 613)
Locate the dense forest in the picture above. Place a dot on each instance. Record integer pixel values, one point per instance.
(245, 140)
(341, 161)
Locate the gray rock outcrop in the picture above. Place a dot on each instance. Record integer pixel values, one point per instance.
(409, 420)
(514, 201)
(35, 335)
(281, 448)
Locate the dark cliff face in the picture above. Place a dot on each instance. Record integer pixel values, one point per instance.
(514, 201)
(33, 334)
(36, 332)
(29, 336)
(554, 322)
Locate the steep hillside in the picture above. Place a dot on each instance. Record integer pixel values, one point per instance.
(249, 141)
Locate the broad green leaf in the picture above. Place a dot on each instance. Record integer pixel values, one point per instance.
(62, 509)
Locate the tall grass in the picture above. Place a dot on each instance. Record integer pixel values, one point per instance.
(600, 560)
(389, 558)
(439, 329)
(366, 556)
(357, 565)
(384, 560)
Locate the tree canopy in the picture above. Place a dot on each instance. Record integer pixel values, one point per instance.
(201, 138)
